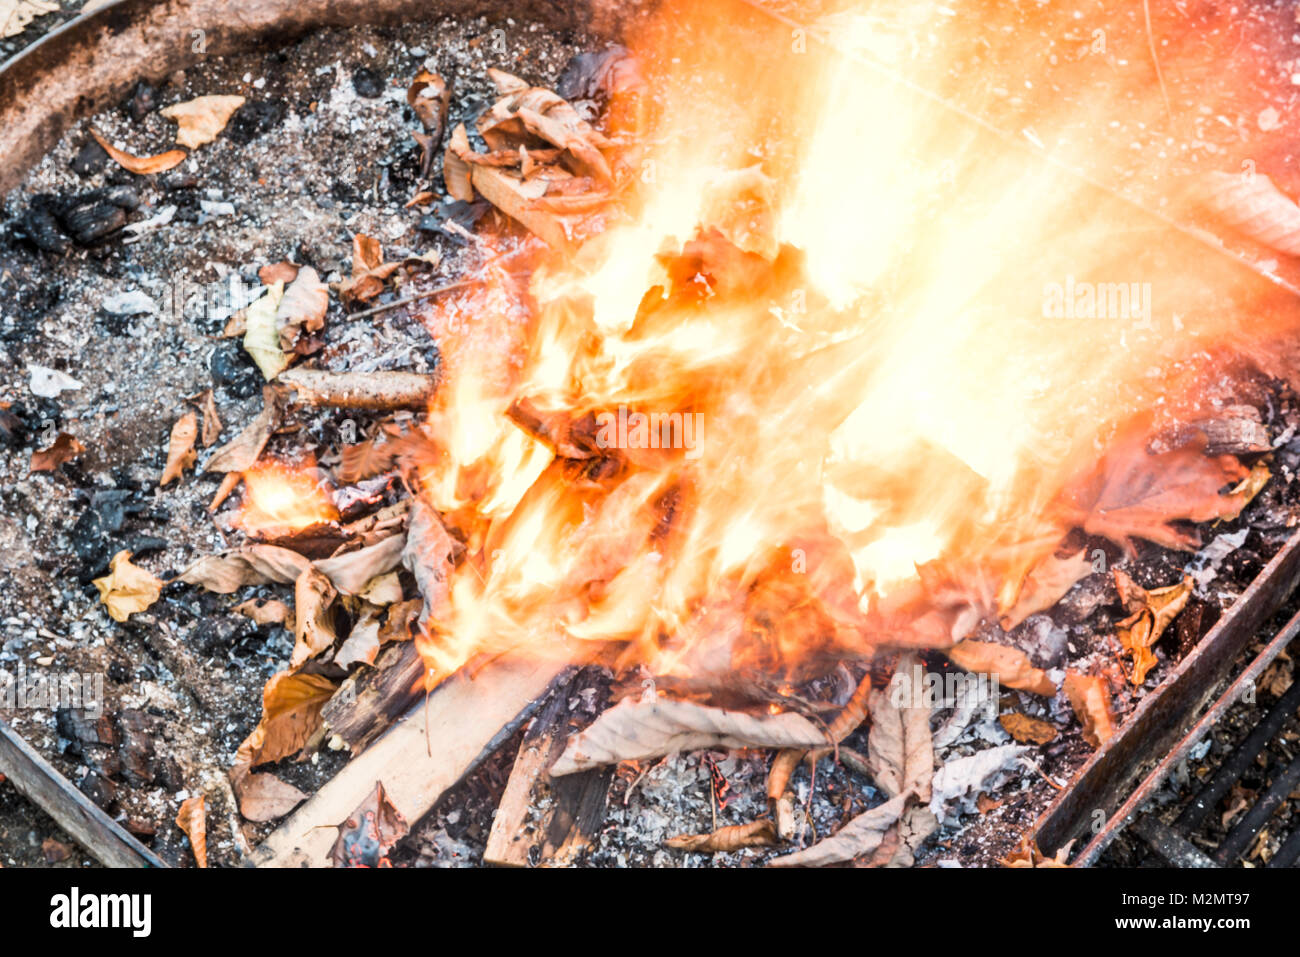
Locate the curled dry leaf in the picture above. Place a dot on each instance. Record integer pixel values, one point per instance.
(862, 835)
(192, 819)
(369, 271)
(264, 797)
(201, 120)
(397, 626)
(429, 96)
(262, 335)
(242, 452)
(761, 833)
(1045, 585)
(1011, 665)
(302, 307)
(141, 165)
(353, 572)
(958, 784)
(127, 588)
(362, 643)
(212, 426)
(1027, 730)
(1152, 612)
(369, 833)
(1091, 703)
(291, 706)
(285, 272)
(271, 612)
(180, 448)
(637, 730)
(384, 590)
(455, 168)
(1251, 204)
(900, 751)
(63, 449)
(313, 626)
(250, 565)
(783, 765)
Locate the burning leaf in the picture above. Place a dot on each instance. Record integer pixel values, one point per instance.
(313, 602)
(192, 819)
(250, 565)
(510, 193)
(48, 383)
(428, 556)
(1046, 585)
(961, 781)
(1091, 703)
(241, 452)
(201, 120)
(1011, 665)
(270, 612)
(1152, 612)
(1027, 730)
(291, 706)
(64, 449)
(180, 448)
(264, 797)
(16, 14)
(303, 306)
(127, 588)
(262, 338)
(760, 833)
(900, 753)
(636, 730)
(862, 835)
(1255, 207)
(369, 833)
(141, 165)
(367, 459)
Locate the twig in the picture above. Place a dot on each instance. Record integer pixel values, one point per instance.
(1155, 59)
(407, 300)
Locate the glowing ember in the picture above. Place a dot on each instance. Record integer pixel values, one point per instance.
(280, 500)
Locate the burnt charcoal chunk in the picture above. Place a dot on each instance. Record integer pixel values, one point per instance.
(367, 83)
(591, 76)
(220, 632)
(175, 181)
(119, 672)
(139, 762)
(168, 775)
(99, 789)
(254, 119)
(144, 100)
(80, 729)
(12, 429)
(92, 217)
(233, 370)
(89, 160)
(40, 227)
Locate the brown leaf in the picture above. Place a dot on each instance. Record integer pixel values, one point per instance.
(264, 797)
(127, 588)
(192, 819)
(1027, 730)
(369, 833)
(369, 271)
(367, 459)
(1045, 585)
(241, 452)
(201, 120)
(860, 836)
(429, 96)
(64, 449)
(271, 612)
(250, 565)
(141, 165)
(900, 752)
(1152, 612)
(285, 272)
(397, 626)
(1253, 205)
(180, 448)
(212, 426)
(1011, 665)
(428, 556)
(362, 643)
(760, 833)
(637, 730)
(291, 706)
(313, 603)
(305, 302)
(352, 572)
(1091, 703)
(455, 169)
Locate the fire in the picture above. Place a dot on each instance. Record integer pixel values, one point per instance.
(810, 380)
(280, 499)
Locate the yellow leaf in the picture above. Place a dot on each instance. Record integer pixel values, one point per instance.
(127, 588)
(202, 120)
(262, 340)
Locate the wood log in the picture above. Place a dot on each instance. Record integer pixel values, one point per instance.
(371, 391)
(101, 836)
(569, 809)
(373, 698)
(419, 758)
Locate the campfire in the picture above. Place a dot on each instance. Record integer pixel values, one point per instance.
(781, 417)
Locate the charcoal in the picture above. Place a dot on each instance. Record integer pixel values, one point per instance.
(367, 83)
(99, 789)
(40, 227)
(12, 429)
(94, 216)
(218, 633)
(233, 370)
(119, 671)
(254, 119)
(175, 181)
(90, 159)
(81, 730)
(139, 762)
(144, 100)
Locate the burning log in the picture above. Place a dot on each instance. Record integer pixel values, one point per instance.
(371, 391)
(373, 698)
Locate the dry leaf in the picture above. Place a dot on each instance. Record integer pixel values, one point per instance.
(1091, 703)
(1152, 612)
(362, 643)
(862, 835)
(285, 272)
(212, 426)
(16, 14)
(1250, 203)
(761, 833)
(1027, 730)
(369, 271)
(141, 165)
(64, 449)
(353, 572)
(303, 306)
(1011, 665)
(384, 590)
(367, 459)
(242, 452)
(1028, 854)
(900, 753)
(397, 626)
(313, 626)
(127, 588)
(201, 120)
(637, 730)
(262, 335)
(271, 612)
(428, 556)
(958, 784)
(192, 819)
(264, 797)
(1045, 585)
(250, 565)
(180, 448)
(455, 169)
(291, 706)
(429, 96)
(369, 833)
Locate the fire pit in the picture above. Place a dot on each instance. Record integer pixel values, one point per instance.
(486, 441)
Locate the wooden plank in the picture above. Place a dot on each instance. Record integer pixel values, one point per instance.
(101, 836)
(568, 809)
(418, 759)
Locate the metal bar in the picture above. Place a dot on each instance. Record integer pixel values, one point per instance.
(101, 836)
(1239, 838)
(1174, 849)
(1159, 720)
(1242, 757)
(1288, 853)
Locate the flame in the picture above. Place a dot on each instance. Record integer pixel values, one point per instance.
(280, 499)
(813, 366)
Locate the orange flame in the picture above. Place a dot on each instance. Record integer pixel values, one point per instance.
(280, 499)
